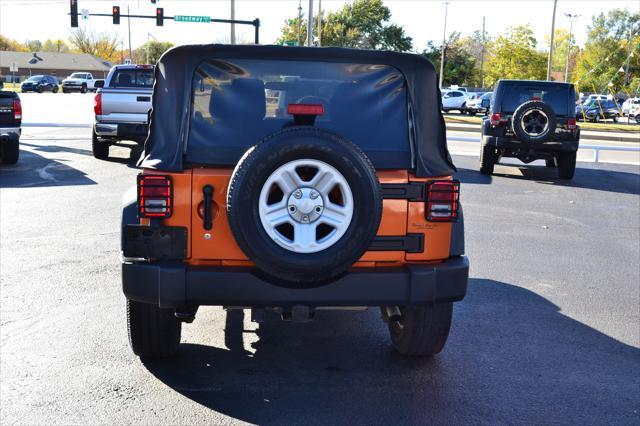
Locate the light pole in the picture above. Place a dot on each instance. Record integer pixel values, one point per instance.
(572, 18)
(319, 22)
(444, 43)
(299, 22)
(233, 17)
(482, 55)
(553, 31)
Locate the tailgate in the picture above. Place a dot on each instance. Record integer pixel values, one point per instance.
(6, 110)
(125, 105)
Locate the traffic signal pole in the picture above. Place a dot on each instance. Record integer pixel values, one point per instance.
(159, 16)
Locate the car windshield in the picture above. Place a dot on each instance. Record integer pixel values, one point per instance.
(556, 96)
(77, 75)
(36, 78)
(132, 77)
(238, 102)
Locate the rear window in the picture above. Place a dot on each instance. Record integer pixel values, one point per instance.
(558, 97)
(132, 78)
(235, 103)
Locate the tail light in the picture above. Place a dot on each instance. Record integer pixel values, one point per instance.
(154, 196)
(17, 109)
(97, 104)
(495, 119)
(571, 123)
(305, 109)
(442, 201)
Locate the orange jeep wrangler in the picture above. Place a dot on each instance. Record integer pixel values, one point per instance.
(293, 179)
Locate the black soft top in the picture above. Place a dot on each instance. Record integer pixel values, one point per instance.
(169, 121)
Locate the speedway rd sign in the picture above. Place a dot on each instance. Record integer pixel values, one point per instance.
(188, 18)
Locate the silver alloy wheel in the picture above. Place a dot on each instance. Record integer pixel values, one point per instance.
(534, 122)
(306, 206)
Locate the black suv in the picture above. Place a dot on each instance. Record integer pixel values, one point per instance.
(40, 83)
(531, 120)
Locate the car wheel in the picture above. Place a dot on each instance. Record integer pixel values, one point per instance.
(11, 151)
(39, 89)
(421, 330)
(304, 204)
(463, 108)
(153, 332)
(488, 157)
(55, 89)
(637, 118)
(83, 89)
(615, 119)
(471, 113)
(566, 165)
(65, 91)
(100, 148)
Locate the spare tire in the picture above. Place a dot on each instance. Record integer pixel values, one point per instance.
(304, 204)
(534, 121)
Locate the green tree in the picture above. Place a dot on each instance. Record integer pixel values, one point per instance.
(59, 46)
(514, 55)
(362, 24)
(561, 43)
(606, 51)
(11, 45)
(33, 45)
(150, 52)
(102, 45)
(460, 66)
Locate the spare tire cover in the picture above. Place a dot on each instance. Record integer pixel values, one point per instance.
(534, 121)
(304, 204)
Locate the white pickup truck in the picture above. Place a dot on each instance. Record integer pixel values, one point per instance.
(121, 107)
(78, 82)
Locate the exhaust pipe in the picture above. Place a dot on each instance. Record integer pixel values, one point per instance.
(392, 313)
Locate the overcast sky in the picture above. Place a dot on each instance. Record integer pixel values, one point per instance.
(422, 19)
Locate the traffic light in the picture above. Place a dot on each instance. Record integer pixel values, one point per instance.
(159, 16)
(116, 15)
(74, 13)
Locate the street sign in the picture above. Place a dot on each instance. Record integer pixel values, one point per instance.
(85, 14)
(188, 18)
(13, 67)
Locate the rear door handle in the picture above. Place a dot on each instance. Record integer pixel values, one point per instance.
(143, 98)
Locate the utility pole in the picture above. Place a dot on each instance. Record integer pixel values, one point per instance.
(319, 23)
(444, 43)
(553, 31)
(233, 26)
(482, 54)
(299, 22)
(626, 68)
(129, 25)
(572, 17)
(310, 25)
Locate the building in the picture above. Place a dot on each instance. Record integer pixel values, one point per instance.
(60, 65)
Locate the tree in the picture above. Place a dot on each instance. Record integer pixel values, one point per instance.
(562, 42)
(102, 45)
(33, 45)
(8, 44)
(363, 24)
(606, 51)
(59, 46)
(514, 55)
(154, 48)
(460, 67)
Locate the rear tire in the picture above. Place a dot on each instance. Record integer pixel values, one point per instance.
(11, 152)
(153, 332)
(422, 330)
(100, 149)
(55, 89)
(566, 165)
(84, 89)
(488, 159)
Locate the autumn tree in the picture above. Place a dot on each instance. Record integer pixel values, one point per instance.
(150, 52)
(8, 44)
(102, 45)
(362, 24)
(514, 55)
(57, 45)
(460, 65)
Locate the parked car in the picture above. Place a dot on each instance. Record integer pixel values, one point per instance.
(40, 83)
(238, 206)
(121, 107)
(531, 120)
(78, 82)
(10, 121)
(597, 110)
(627, 105)
(476, 105)
(454, 99)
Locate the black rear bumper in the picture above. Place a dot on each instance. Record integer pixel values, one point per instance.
(175, 285)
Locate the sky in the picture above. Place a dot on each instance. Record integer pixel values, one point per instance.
(422, 19)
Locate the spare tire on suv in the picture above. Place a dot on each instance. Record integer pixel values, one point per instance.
(304, 204)
(534, 121)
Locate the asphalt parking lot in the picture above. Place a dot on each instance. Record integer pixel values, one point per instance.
(548, 332)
